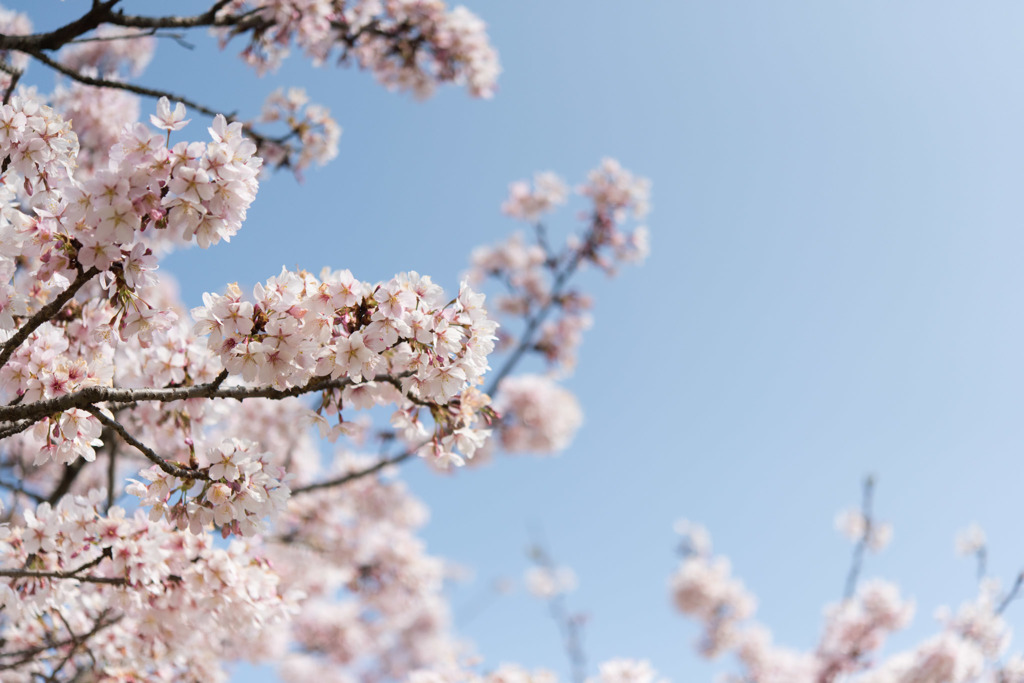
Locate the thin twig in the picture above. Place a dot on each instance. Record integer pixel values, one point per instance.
(17, 488)
(15, 75)
(1012, 595)
(527, 342)
(359, 474)
(16, 428)
(858, 550)
(30, 654)
(167, 466)
(76, 643)
(570, 625)
(71, 473)
(120, 85)
(259, 138)
(478, 605)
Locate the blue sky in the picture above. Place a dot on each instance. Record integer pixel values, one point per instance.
(834, 289)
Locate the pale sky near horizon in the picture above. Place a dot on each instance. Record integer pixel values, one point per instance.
(835, 288)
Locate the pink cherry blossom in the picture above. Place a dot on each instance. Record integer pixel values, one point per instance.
(168, 119)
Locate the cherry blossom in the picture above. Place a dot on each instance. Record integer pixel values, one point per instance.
(537, 415)
(969, 647)
(166, 119)
(168, 506)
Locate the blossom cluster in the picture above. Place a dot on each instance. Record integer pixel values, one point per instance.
(703, 588)
(37, 144)
(971, 540)
(970, 647)
(534, 275)
(526, 204)
(373, 604)
(318, 134)
(855, 526)
(143, 197)
(426, 352)
(537, 415)
(165, 605)
(193, 190)
(111, 391)
(407, 44)
(98, 117)
(243, 490)
(547, 582)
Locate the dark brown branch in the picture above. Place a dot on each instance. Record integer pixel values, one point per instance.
(352, 476)
(103, 13)
(259, 138)
(47, 312)
(29, 574)
(54, 40)
(16, 428)
(167, 466)
(90, 396)
(15, 75)
(111, 474)
(71, 473)
(120, 85)
(207, 18)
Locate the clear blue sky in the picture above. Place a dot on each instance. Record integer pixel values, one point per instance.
(835, 288)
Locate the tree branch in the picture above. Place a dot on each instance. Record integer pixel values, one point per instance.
(207, 18)
(30, 654)
(54, 40)
(1012, 595)
(524, 345)
(17, 488)
(47, 312)
(167, 466)
(533, 324)
(120, 85)
(259, 138)
(352, 476)
(103, 13)
(16, 428)
(570, 625)
(858, 550)
(90, 396)
(30, 574)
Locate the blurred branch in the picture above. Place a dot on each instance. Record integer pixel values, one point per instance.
(570, 625)
(858, 550)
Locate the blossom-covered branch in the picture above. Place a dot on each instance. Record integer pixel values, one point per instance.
(970, 646)
(221, 404)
